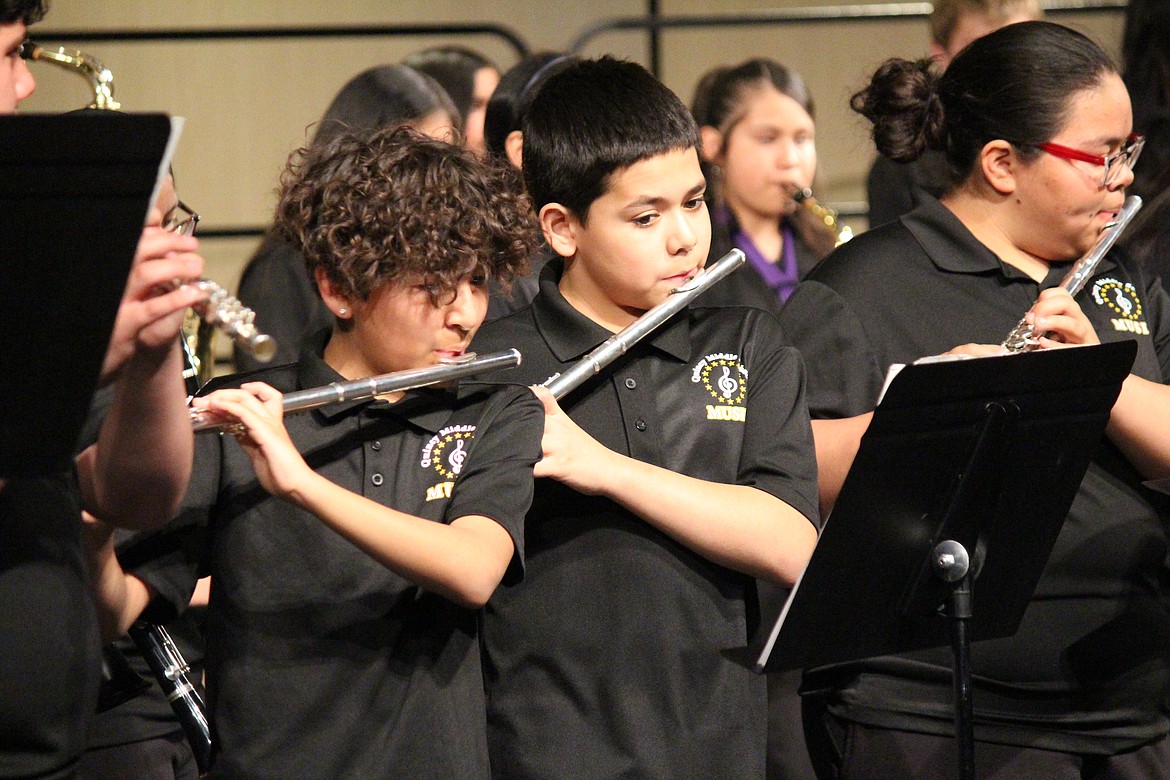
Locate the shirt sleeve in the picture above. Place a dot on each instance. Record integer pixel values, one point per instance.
(778, 455)
(1158, 306)
(496, 480)
(844, 378)
(171, 559)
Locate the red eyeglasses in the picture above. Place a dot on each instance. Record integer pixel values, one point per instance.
(1114, 164)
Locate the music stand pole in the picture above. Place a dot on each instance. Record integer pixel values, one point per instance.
(951, 561)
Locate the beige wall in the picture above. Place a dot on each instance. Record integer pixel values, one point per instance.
(248, 103)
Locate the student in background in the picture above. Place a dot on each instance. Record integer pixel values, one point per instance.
(140, 739)
(1145, 55)
(759, 143)
(468, 77)
(505, 140)
(895, 186)
(503, 119)
(276, 283)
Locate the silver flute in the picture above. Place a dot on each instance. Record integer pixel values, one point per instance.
(224, 311)
(617, 344)
(359, 389)
(1024, 337)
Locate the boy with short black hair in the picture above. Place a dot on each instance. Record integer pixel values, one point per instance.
(672, 480)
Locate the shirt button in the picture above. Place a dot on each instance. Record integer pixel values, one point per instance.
(630, 383)
(640, 425)
(376, 479)
(375, 446)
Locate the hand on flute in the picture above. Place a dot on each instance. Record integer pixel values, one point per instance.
(1058, 318)
(570, 455)
(149, 320)
(259, 409)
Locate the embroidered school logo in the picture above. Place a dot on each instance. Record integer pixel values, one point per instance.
(441, 490)
(1121, 298)
(447, 450)
(724, 379)
(446, 453)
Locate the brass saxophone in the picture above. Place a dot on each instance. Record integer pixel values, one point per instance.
(220, 310)
(827, 216)
(99, 76)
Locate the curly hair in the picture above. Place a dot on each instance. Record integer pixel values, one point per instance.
(391, 204)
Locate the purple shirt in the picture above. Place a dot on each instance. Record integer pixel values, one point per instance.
(781, 275)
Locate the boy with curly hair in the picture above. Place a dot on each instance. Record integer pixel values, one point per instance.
(350, 548)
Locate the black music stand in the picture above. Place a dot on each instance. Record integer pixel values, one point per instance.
(74, 193)
(965, 474)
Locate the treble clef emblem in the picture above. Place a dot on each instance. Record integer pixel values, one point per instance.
(1123, 303)
(457, 456)
(727, 385)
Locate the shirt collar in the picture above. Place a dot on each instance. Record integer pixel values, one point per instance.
(948, 242)
(952, 247)
(569, 334)
(425, 408)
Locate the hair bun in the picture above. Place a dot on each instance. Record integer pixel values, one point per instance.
(903, 103)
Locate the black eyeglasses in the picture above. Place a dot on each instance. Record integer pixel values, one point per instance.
(182, 220)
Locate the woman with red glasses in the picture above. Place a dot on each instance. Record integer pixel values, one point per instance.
(1037, 129)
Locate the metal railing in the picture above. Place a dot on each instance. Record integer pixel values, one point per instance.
(269, 33)
(654, 23)
(273, 33)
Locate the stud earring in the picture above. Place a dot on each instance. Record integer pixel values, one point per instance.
(341, 312)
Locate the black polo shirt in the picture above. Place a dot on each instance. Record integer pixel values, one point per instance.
(320, 661)
(1087, 669)
(49, 648)
(615, 657)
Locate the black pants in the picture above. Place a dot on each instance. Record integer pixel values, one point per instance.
(842, 750)
(162, 758)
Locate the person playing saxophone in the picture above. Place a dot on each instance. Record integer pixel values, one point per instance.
(133, 476)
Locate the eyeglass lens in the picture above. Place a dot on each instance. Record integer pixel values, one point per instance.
(182, 221)
(1122, 161)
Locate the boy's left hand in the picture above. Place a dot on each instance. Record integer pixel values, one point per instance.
(571, 455)
(260, 409)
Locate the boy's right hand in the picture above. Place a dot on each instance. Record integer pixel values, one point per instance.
(570, 455)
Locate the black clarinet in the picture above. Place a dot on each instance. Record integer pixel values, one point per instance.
(171, 670)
